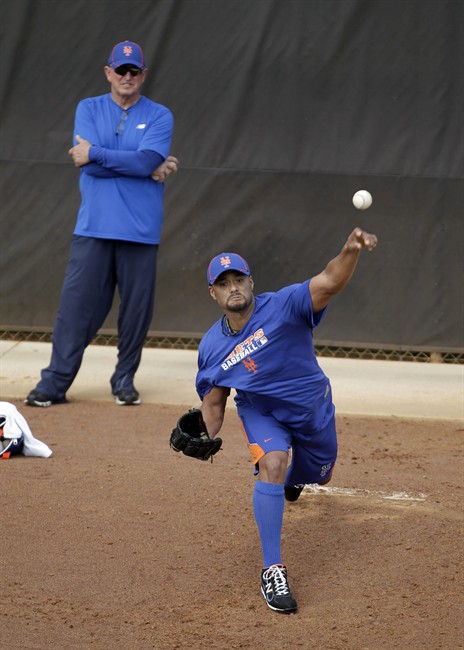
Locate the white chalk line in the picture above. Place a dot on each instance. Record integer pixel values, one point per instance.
(353, 492)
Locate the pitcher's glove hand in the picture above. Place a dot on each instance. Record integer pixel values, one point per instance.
(191, 437)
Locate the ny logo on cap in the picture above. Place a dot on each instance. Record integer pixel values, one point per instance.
(127, 50)
(225, 261)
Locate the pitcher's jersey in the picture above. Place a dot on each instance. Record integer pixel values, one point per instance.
(271, 362)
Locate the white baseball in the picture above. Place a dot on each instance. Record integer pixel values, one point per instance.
(362, 199)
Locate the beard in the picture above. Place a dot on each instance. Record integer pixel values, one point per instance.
(238, 302)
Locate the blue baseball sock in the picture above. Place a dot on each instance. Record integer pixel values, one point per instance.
(268, 504)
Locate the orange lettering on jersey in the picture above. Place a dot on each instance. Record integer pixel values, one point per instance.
(241, 346)
(250, 365)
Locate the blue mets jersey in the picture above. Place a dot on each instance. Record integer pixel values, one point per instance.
(120, 200)
(271, 362)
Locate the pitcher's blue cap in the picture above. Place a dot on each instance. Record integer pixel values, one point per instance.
(226, 262)
(126, 53)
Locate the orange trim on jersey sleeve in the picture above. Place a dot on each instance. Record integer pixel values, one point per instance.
(256, 451)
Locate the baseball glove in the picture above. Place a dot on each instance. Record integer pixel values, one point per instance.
(191, 437)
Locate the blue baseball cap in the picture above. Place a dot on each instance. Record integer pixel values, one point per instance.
(226, 262)
(126, 53)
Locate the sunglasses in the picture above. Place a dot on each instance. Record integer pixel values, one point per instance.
(124, 69)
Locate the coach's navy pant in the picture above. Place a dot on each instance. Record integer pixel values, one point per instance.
(95, 268)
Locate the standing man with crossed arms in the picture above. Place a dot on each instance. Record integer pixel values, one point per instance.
(121, 146)
(263, 348)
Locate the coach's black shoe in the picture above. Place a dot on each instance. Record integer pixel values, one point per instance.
(275, 589)
(127, 397)
(36, 398)
(292, 492)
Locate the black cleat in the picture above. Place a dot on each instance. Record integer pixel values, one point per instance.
(36, 398)
(127, 397)
(275, 589)
(292, 492)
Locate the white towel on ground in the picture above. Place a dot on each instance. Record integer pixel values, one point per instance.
(14, 424)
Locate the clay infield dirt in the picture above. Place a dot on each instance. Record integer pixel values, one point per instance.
(117, 542)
